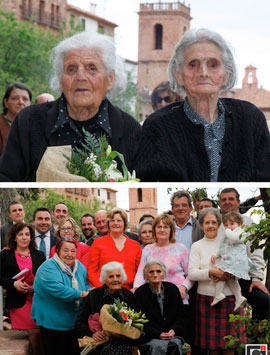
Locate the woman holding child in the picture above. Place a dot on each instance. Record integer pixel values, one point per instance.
(212, 321)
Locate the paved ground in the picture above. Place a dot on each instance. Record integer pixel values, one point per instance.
(13, 342)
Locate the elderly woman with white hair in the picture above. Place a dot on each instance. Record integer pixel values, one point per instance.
(163, 307)
(112, 276)
(86, 70)
(205, 137)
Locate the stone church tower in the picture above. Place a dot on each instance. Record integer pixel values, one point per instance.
(161, 25)
(141, 201)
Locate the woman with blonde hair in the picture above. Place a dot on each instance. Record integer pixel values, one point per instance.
(69, 228)
(115, 246)
(174, 255)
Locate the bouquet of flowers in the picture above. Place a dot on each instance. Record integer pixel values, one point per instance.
(126, 316)
(96, 161)
(115, 319)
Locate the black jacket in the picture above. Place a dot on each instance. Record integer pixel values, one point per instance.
(30, 135)
(173, 311)
(172, 147)
(9, 268)
(93, 304)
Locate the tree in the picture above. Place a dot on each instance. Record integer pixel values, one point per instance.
(35, 198)
(24, 53)
(6, 196)
(49, 198)
(126, 101)
(259, 234)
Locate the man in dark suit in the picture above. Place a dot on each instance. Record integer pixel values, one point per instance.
(45, 239)
(16, 214)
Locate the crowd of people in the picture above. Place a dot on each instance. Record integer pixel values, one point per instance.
(192, 129)
(186, 272)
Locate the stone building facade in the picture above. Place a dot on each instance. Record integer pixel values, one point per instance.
(56, 14)
(161, 25)
(85, 195)
(251, 92)
(141, 201)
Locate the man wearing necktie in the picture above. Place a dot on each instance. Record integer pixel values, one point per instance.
(42, 222)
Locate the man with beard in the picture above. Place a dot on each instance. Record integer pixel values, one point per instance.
(88, 228)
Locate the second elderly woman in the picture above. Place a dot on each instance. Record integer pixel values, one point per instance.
(204, 138)
(86, 69)
(115, 246)
(163, 307)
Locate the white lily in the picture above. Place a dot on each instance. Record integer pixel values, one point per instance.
(112, 172)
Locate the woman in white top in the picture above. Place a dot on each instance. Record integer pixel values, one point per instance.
(212, 323)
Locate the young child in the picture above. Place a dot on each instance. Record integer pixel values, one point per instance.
(232, 258)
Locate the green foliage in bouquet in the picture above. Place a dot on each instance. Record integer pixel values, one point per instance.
(95, 161)
(126, 315)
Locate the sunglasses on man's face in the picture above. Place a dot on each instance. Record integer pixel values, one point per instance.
(166, 99)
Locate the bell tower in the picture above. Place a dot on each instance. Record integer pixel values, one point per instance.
(250, 79)
(141, 201)
(161, 25)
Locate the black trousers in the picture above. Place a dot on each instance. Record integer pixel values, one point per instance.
(259, 301)
(57, 342)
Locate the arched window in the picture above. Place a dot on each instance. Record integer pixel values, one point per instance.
(250, 77)
(158, 36)
(139, 195)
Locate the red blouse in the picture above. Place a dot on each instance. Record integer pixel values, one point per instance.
(103, 250)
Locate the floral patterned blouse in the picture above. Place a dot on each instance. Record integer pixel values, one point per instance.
(175, 256)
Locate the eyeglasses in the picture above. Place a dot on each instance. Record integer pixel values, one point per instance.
(166, 99)
(66, 229)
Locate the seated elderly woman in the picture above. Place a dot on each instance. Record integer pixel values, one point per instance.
(86, 69)
(204, 138)
(163, 307)
(112, 277)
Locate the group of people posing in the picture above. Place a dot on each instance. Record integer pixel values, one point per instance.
(200, 138)
(186, 274)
